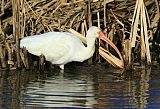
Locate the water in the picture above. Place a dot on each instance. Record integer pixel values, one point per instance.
(81, 87)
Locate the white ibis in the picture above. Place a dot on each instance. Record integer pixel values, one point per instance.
(61, 48)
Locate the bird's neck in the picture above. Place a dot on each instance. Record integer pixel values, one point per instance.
(90, 49)
(86, 52)
(90, 43)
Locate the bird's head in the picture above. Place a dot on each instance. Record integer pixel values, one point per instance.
(96, 32)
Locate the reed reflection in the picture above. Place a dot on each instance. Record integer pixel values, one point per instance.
(12, 88)
(80, 87)
(140, 87)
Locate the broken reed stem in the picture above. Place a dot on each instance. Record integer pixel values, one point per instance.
(23, 20)
(24, 57)
(105, 13)
(89, 13)
(41, 62)
(2, 57)
(143, 50)
(98, 18)
(16, 27)
(2, 8)
(90, 23)
(10, 59)
(140, 14)
(111, 58)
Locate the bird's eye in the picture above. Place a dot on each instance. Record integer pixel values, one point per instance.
(98, 32)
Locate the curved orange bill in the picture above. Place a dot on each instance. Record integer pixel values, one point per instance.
(104, 38)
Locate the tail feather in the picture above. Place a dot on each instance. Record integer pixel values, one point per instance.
(22, 43)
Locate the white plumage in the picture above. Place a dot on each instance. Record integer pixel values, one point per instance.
(61, 48)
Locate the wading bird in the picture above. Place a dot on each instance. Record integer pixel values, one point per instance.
(61, 48)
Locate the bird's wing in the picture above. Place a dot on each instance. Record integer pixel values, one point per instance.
(55, 46)
(63, 49)
(35, 44)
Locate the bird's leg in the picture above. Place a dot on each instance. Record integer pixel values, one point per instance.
(62, 71)
(41, 62)
(61, 67)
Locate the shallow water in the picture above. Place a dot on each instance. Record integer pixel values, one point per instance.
(81, 87)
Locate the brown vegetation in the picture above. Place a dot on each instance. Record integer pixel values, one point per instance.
(130, 24)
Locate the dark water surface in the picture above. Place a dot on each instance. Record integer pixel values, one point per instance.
(81, 87)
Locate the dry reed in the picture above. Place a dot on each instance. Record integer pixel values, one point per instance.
(20, 18)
